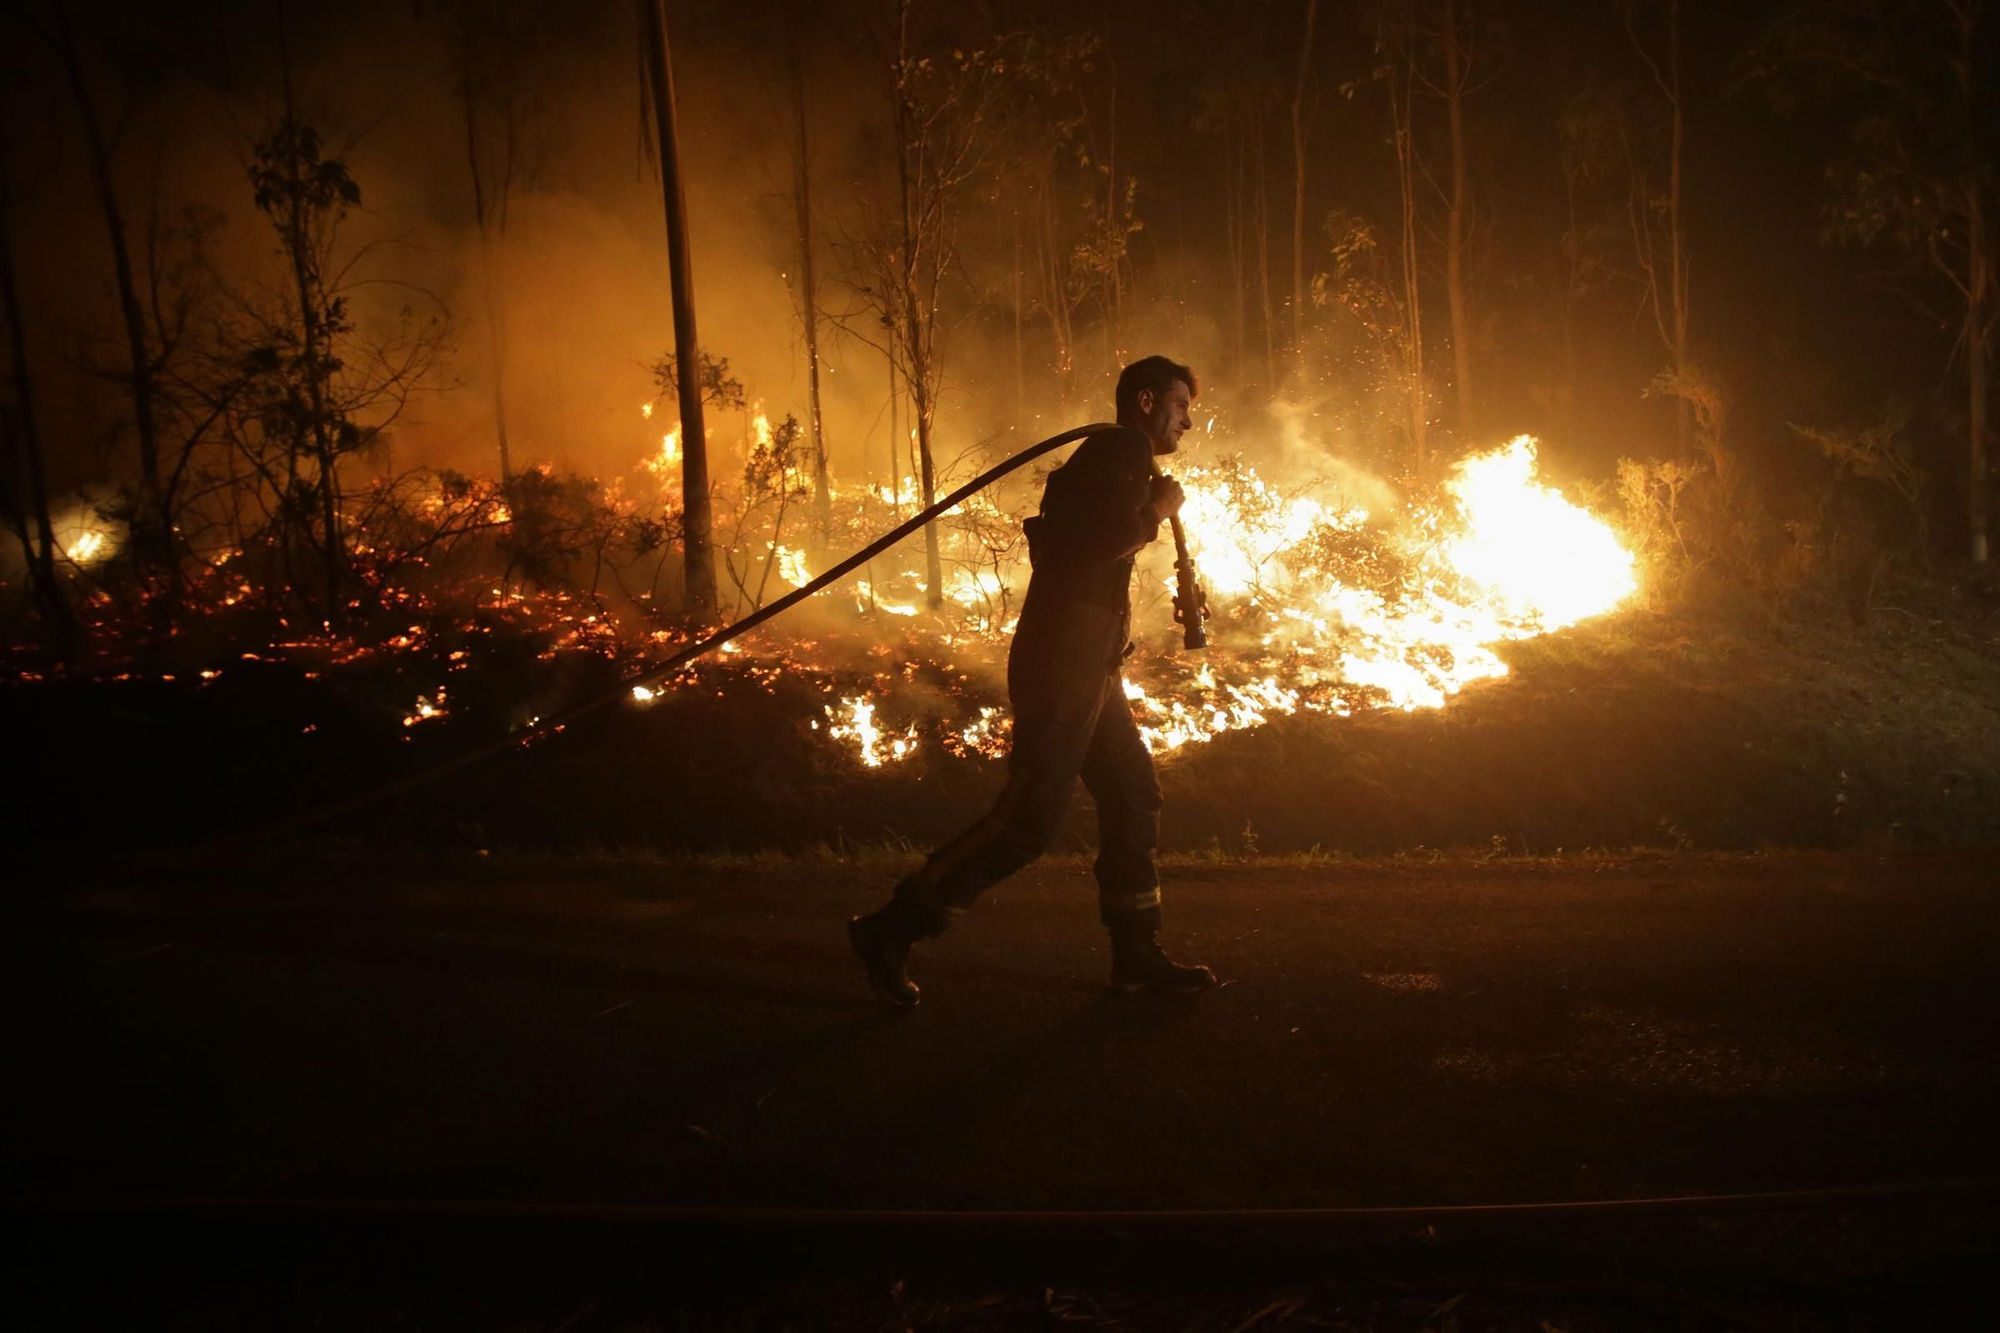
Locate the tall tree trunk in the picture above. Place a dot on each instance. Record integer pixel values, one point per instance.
(1238, 208)
(915, 318)
(490, 252)
(1299, 189)
(40, 553)
(1978, 359)
(1400, 85)
(1020, 360)
(1979, 288)
(697, 541)
(809, 291)
(1670, 313)
(1114, 213)
(1264, 260)
(1055, 296)
(152, 538)
(318, 360)
(1679, 258)
(923, 406)
(1572, 274)
(1456, 75)
(483, 214)
(895, 449)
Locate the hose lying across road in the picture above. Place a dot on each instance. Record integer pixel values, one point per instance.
(661, 670)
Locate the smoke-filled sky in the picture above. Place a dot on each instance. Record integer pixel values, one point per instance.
(1786, 321)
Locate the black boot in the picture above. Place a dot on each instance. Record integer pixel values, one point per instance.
(1138, 963)
(883, 943)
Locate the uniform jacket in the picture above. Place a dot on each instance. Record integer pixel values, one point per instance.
(1096, 515)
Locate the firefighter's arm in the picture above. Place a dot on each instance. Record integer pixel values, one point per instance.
(1129, 504)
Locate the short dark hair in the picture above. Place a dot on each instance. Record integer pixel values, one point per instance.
(1151, 372)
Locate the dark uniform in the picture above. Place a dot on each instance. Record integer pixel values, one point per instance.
(1071, 717)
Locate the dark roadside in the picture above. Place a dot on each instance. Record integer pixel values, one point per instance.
(335, 1093)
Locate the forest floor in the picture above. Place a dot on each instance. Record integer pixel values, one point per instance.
(323, 1093)
(1712, 726)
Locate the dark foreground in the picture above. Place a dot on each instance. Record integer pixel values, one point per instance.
(273, 1097)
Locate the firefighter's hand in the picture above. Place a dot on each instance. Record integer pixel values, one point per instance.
(1167, 497)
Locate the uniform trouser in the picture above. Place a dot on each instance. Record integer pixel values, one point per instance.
(1071, 720)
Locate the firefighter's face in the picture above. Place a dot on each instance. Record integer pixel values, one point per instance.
(1164, 417)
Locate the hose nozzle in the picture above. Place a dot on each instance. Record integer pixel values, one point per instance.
(1190, 598)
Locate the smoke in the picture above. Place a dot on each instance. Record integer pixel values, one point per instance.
(1304, 451)
(581, 266)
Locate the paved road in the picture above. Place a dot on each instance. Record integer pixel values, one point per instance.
(1436, 1035)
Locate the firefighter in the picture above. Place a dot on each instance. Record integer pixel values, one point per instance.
(1071, 717)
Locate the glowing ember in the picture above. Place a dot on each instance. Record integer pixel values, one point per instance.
(425, 709)
(987, 737)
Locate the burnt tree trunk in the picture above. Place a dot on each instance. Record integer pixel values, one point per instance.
(1263, 219)
(1299, 188)
(1237, 210)
(1678, 265)
(916, 320)
(1978, 362)
(895, 455)
(1055, 296)
(152, 536)
(1671, 311)
(809, 291)
(489, 215)
(1456, 75)
(1020, 359)
(298, 237)
(1401, 84)
(697, 540)
(1114, 219)
(40, 553)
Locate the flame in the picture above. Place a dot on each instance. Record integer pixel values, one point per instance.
(854, 721)
(1545, 561)
(1407, 618)
(665, 464)
(792, 566)
(85, 537)
(1516, 559)
(866, 593)
(987, 736)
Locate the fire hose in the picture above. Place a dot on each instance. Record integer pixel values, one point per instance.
(1190, 610)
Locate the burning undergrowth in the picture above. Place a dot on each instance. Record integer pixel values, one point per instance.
(480, 610)
(1324, 606)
